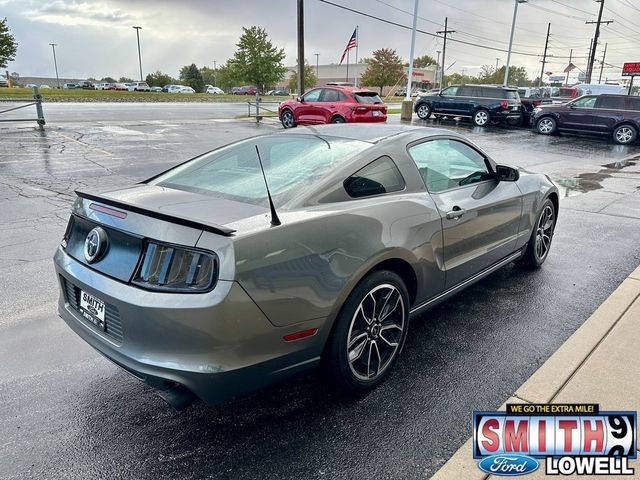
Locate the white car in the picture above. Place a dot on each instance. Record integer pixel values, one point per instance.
(174, 88)
(186, 90)
(138, 87)
(215, 90)
(44, 86)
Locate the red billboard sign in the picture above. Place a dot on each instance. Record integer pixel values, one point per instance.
(631, 69)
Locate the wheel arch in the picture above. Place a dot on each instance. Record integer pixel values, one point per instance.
(631, 123)
(337, 115)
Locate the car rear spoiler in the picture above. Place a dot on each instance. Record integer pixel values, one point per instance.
(209, 227)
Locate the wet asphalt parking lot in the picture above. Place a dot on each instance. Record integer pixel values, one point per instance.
(66, 412)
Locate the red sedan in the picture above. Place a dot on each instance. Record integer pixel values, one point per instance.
(333, 105)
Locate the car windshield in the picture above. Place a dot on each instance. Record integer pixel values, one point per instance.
(290, 163)
(367, 97)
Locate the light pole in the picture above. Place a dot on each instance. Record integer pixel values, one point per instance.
(139, 56)
(55, 62)
(317, 64)
(513, 27)
(497, 60)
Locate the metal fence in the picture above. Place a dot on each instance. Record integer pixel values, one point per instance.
(255, 106)
(37, 101)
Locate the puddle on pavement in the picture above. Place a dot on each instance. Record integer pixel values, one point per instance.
(620, 164)
(588, 182)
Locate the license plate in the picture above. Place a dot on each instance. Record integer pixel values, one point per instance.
(92, 309)
(375, 113)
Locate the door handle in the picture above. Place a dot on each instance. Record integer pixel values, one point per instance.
(456, 213)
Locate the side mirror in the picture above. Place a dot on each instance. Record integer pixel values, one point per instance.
(507, 174)
(299, 99)
(571, 106)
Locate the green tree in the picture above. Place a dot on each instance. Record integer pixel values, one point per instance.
(310, 79)
(108, 79)
(159, 79)
(126, 80)
(257, 60)
(424, 61)
(517, 76)
(8, 45)
(190, 75)
(227, 76)
(385, 68)
(208, 75)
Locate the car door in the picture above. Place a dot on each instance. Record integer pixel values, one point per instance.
(445, 101)
(466, 100)
(309, 109)
(329, 99)
(581, 114)
(480, 215)
(608, 112)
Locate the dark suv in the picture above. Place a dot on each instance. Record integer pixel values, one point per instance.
(615, 115)
(482, 103)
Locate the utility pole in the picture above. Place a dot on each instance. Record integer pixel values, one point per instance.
(139, 57)
(300, 47)
(317, 65)
(438, 69)
(604, 55)
(594, 41)
(497, 60)
(513, 28)
(55, 63)
(566, 80)
(407, 104)
(444, 45)
(215, 73)
(544, 56)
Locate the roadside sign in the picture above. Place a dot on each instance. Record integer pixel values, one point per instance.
(631, 69)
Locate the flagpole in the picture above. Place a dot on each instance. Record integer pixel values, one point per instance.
(355, 75)
(347, 80)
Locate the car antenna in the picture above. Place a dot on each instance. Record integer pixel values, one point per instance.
(274, 216)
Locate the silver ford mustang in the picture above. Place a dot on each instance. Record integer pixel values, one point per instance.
(284, 252)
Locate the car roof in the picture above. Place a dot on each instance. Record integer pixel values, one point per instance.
(486, 85)
(345, 88)
(368, 132)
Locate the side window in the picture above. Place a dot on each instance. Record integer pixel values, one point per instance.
(446, 163)
(380, 176)
(586, 102)
(634, 103)
(312, 96)
(616, 103)
(467, 91)
(451, 91)
(342, 97)
(329, 95)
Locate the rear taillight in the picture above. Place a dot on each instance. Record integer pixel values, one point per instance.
(176, 269)
(504, 104)
(360, 109)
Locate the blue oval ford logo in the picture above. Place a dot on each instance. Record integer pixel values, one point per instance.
(508, 465)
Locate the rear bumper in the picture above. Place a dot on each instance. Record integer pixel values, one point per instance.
(367, 119)
(218, 345)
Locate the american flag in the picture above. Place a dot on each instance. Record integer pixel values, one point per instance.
(352, 43)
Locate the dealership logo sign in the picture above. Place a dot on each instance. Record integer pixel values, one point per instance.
(570, 438)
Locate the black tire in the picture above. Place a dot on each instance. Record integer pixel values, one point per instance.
(367, 338)
(423, 111)
(625, 134)
(287, 119)
(337, 120)
(533, 258)
(546, 125)
(481, 117)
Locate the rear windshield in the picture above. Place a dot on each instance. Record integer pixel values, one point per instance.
(510, 95)
(566, 92)
(367, 97)
(291, 163)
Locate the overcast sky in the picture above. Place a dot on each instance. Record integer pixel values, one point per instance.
(95, 37)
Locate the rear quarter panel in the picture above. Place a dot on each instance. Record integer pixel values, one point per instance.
(535, 188)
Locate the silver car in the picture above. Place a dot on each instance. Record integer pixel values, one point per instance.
(284, 252)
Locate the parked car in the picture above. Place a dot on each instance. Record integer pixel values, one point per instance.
(156, 89)
(214, 90)
(484, 104)
(120, 86)
(110, 86)
(280, 93)
(185, 89)
(69, 86)
(44, 86)
(3, 82)
(173, 88)
(199, 283)
(85, 85)
(333, 105)
(614, 115)
(246, 90)
(30, 85)
(138, 87)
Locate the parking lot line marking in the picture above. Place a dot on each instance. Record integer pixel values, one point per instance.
(85, 144)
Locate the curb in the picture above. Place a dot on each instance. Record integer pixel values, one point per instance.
(559, 369)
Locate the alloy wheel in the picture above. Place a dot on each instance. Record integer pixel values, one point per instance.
(544, 232)
(376, 332)
(481, 118)
(624, 134)
(287, 119)
(423, 112)
(546, 126)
